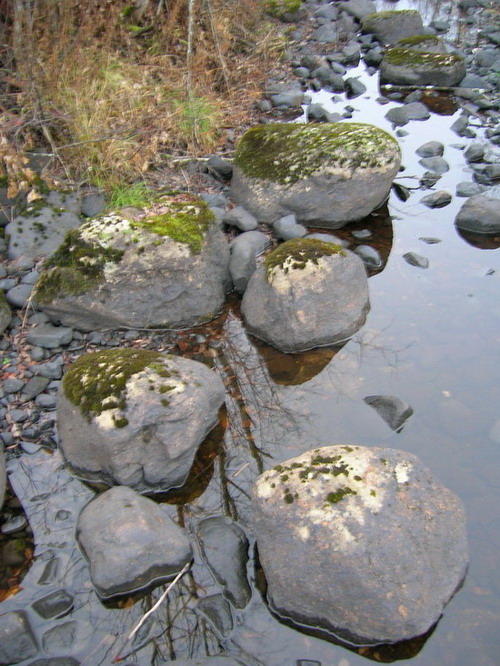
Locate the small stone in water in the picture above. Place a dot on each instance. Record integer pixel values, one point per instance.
(14, 524)
(59, 638)
(17, 641)
(437, 199)
(429, 241)
(56, 604)
(415, 259)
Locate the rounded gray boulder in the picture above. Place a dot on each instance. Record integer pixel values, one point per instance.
(363, 543)
(308, 293)
(326, 174)
(130, 542)
(410, 67)
(136, 417)
(391, 26)
(480, 213)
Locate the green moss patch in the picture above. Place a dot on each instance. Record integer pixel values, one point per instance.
(296, 253)
(420, 59)
(280, 8)
(75, 267)
(97, 382)
(287, 153)
(418, 40)
(371, 19)
(184, 222)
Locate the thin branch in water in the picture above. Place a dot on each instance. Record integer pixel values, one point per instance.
(152, 610)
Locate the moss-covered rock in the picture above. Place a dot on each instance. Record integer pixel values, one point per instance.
(315, 171)
(408, 66)
(136, 417)
(307, 293)
(428, 43)
(391, 26)
(169, 268)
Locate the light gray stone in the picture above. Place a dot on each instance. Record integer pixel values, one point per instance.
(435, 164)
(325, 34)
(430, 149)
(19, 295)
(49, 336)
(244, 250)
(354, 87)
(369, 256)
(474, 152)
(38, 232)
(436, 199)
(241, 219)
(330, 173)
(93, 204)
(287, 228)
(342, 517)
(130, 542)
(17, 641)
(312, 294)
(358, 8)
(468, 189)
(136, 418)
(401, 115)
(481, 213)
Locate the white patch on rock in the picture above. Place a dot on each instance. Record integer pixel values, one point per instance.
(283, 278)
(303, 532)
(401, 472)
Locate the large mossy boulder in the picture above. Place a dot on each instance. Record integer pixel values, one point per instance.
(135, 417)
(427, 43)
(408, 66)
(325, 174)
(391, 26)
(361, 542)
(308, 293)
(168, 269)
(130, 542)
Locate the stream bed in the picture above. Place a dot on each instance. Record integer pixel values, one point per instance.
(432, 339)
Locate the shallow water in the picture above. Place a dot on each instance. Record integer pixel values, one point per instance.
(432, 338)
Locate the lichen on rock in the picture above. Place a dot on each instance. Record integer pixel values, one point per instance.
(409, 57)
(287, 153)
(295, 254)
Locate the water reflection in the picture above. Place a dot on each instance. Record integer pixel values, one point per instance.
(480, 241)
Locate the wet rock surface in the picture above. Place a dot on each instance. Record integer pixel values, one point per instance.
(145, 429)
(481, 213)
(330, 507)
(130, 542)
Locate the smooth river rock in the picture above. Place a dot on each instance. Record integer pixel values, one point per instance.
(130, 542)
(361, 542)
(136, 417)
(308, 293)
(391, 26)
(480, 213)
(327, 174)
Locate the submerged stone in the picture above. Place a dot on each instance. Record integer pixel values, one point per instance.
(308, 293)
(224, 546)
(136, 417)
(17, 641)
(326, 174)
(333, 527)
(130, 542)
(409, 67)
(216, 610)
(394, 411)
(55, 604)
(167, 269)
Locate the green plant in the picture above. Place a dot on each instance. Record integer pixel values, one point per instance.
(137, 196)
(279, 8)
(197, 120)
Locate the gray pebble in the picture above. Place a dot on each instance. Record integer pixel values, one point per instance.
(19, 295)
(415, 259)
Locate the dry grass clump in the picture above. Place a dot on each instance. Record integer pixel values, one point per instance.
(110, 88)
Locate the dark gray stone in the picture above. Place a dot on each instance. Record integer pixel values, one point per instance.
(149, 443)
(390, 27)
(157, 281)
(354, 87)
(318, 113)
(305, 304)
(461, 126)
(400, 115)
(241, 219)
(225, 548)
(12, 385)
(288, 99)
(394, 411)
(46, 401)
(244, 250)
(325, 34)
(5, 313)
(436, 199)
(220, 166)
(130, 542)
(17, 641)
(481, 213)
(216, 610)
(343, 517)
(430, 149)
(474, 152)
(373, 57)
(39, 232)
(51, 369)
(351, 52)
(302, 72)
(61, 637)
(326, 11)
(329, 78)
(34, 387)
(217, 200)
(3, 482)
(358, 8)
(30, 278)
(435, 164)
(49, 336)
(53, 605)
(415, 259)
(19, 295)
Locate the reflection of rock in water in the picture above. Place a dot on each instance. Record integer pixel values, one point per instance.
(295, 369)
(379, 223)
(481, 241)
